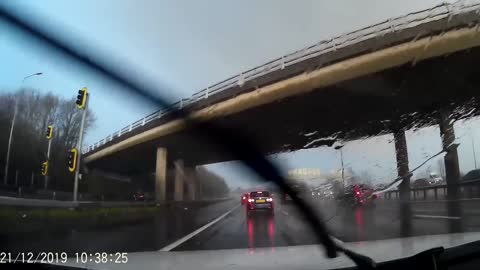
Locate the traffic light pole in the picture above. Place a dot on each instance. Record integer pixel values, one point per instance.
(79, 147)
(48, 160)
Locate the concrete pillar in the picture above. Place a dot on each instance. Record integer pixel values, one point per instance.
(161, 175)
(199, 186)
(192, 185)
(402, 163)
(16, 178)
(404, 187)
(179, 180)
(452, 171)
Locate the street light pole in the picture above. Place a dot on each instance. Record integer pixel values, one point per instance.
(343, 168)
(473, 150)
(5, 177)
(339, 147)
(34, 74)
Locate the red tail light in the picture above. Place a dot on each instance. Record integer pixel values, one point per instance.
(269, 199)
(250, 200)
(243, 198)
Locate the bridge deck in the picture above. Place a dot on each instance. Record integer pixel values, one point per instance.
(363, 106)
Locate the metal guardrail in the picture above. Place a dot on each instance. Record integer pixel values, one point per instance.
(467, 189)
(410, 20)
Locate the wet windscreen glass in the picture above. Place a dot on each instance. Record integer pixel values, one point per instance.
(369, 115)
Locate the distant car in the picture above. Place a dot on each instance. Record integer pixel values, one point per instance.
(323, 193)
(435, 179)
(244, 198)
(358, 195)
(260, 201)
(421, 182)
(139, 196)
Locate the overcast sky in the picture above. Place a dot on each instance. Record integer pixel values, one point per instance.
(184, 46)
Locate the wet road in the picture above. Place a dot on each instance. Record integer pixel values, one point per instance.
(148, 234)
(287, 227)
(236, 230)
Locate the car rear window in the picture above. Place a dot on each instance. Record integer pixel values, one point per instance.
(259, 194)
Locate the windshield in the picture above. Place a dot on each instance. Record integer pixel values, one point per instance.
(188, 127)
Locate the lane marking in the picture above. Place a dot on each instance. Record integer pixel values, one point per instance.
(439, 217)
(197, 231)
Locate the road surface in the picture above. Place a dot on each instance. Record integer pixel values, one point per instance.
(287, 227)
(235, 230)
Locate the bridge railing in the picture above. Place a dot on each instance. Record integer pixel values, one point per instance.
(374, 31)
(467, 189)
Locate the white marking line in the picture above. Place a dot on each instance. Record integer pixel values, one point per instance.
(197, 231)
(440, 217)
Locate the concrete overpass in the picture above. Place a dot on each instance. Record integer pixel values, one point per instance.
(408, 71)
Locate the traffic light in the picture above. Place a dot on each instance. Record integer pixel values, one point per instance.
(72, 159)
(81, 98)
(45, 168)
(49, 132)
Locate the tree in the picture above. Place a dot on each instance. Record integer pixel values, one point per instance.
(211, 184)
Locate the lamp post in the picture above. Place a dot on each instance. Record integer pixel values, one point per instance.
(339, 147)
(473, 150)
(5, 177)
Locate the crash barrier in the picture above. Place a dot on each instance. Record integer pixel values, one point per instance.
(467, 190)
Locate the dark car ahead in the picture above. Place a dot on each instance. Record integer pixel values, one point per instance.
(260, 201)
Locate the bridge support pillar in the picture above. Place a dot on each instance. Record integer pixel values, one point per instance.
(452, 170)
(179, 180)
(161, 175)
(192, 185)
(404, 187)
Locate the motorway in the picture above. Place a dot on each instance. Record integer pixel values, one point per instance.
(287, 227)
(236, 230)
